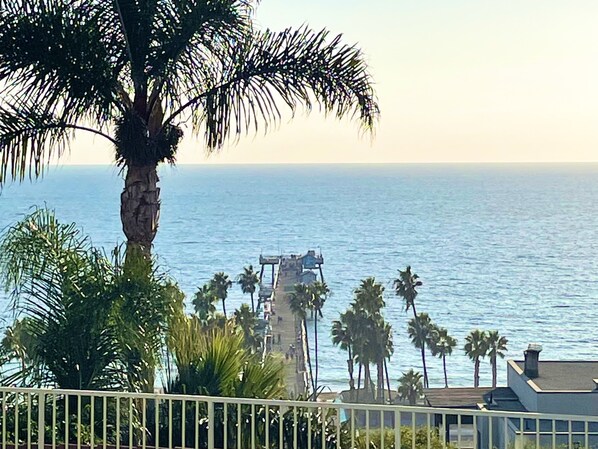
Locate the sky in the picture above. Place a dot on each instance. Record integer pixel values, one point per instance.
(457, 81)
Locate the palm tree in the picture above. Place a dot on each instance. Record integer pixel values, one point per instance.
(406, 287)
(248, 280)
(145, 68)
(319, 291)
(369, 296)
(341, 337)
(203, 302)
(442, 345)
(421, 331)
(220, 284)
(246, 321)
(410, 386)
(476, 348)
(497, 345)
(371, 334)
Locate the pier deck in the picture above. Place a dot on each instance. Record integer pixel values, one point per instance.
(287, 330)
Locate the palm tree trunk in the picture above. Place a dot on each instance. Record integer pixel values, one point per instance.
(380, 372)
(423, 350)
(316, 350)
(358, 382)
(224, 306)
(494, 374)
(311, 372)
(350, 368)
(387, 379)
(476, 373)
(252, 306)
(140, 208)
(444, 367)
(368, 377)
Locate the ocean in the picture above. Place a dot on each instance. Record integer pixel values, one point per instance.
(506, 247)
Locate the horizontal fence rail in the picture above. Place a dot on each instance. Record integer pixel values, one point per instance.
(74, 419)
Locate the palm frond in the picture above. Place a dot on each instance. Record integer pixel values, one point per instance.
(60, 55)
(245, 88)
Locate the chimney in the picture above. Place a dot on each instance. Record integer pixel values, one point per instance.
(532, 356)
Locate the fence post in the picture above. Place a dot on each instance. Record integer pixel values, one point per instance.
(211, 424)
(41, 420)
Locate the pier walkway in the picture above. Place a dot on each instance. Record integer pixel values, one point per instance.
(287, 334)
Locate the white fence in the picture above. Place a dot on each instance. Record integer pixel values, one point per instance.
(111, 420)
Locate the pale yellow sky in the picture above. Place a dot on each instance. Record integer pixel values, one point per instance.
(457, 81)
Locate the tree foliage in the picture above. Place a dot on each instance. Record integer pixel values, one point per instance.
(144, 68)
(91, 322)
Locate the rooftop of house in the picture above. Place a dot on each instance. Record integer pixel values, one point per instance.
(504, 399)
(455, 397)
(563, 375)
(501, 398)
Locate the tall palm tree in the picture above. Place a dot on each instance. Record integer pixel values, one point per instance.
(143, 69)
(442, 345)
(421, 331)
(203, 302)
(497, 345)
(406, 287)
(342, 337)
(475, 348)
(319, 291)
(248, 280)
(220, 284)
(410, 386)
(371, 334)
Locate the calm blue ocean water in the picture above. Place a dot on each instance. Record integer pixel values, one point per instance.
(513, 248)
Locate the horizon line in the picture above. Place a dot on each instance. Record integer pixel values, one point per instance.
(58, 165)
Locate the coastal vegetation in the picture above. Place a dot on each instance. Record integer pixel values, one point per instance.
(92, 321)
(134, 73)
(248, 280)
(442, 345)
(406, 287)
(364, 333)
(476, 348)
(410, 386)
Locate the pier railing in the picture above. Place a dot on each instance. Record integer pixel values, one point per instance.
(74, 419)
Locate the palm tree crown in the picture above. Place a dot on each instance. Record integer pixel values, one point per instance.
(476, 348)
(142, 69)
(219, 285)
(410, 386)
(442, 345)
(203, 302)
(422, 331)
(406, 287)
(497, 346)
(248, 280)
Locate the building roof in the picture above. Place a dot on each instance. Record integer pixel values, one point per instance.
(456, 397)
(564, 375)
(503, 398)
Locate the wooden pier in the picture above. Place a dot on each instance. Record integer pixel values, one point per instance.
(287, 335)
